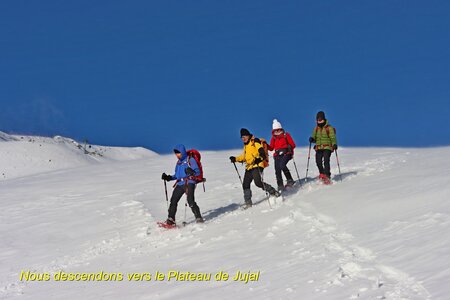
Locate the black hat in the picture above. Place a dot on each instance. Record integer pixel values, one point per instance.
(320, 116)
(245, 132)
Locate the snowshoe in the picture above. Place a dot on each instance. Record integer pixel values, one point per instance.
(325, 180)
(168, 224)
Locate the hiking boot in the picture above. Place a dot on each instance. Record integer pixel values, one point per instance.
(199, 220)
(290, 183)
(196, 212)
(170, 221)
(275, 193)
(325, 179)
(247, 205)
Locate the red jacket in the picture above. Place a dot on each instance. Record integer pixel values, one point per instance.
(282, 141)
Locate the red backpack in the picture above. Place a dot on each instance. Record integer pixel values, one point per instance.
(195, 154)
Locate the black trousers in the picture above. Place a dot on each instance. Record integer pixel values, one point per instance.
(280, 165)
(255, 174)
(177, 193)
(323, 161)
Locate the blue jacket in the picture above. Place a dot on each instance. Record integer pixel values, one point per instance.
(182, 164)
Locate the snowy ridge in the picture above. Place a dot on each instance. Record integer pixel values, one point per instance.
(26, 155)
(381, 233)
(6, 137)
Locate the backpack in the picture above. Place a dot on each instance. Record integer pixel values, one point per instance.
(195, 154)
(263, 143)
(327, 129)
(290, 149)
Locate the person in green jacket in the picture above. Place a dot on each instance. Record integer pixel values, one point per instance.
(324, 136)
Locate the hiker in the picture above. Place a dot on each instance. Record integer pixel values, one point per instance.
(283, 146)
(324, 136)
(185, 172)
(255, 158)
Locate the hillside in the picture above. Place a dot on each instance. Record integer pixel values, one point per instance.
(381, 233)
(22, 155)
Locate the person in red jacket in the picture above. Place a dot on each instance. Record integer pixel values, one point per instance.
(283, 146)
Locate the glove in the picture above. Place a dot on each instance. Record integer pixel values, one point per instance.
(166, 177)
(312, 140)
(335, 147)
(233, 159)
(257, 161)
(189, 171)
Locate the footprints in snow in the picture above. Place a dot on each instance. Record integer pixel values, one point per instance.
(350, 266)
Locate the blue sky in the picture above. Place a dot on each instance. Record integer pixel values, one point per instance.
(158, 73)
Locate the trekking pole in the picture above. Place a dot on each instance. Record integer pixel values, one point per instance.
(307, 166)
(296, 170)
(167, 197)
(185, 207)
(238, 172)
(264, 187)
(339, 167)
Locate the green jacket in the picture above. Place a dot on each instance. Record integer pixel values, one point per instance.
(325, 137)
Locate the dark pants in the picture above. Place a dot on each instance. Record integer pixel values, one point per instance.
(249, 176)
(280, 165)
(177, 193)
(323, 161)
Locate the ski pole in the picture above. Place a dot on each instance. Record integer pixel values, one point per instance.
(264, 187)
(167, 197)
(238, 172)
(339, 167)
(296, 170)
(307, 166)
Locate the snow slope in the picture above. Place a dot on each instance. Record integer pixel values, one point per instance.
(26, 155)
(381, 233)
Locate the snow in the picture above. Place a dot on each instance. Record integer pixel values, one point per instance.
(381, 233)
(26, 155)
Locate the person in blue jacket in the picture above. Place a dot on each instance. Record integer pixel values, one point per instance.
(185, 171)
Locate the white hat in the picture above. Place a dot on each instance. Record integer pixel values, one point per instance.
(276, 125)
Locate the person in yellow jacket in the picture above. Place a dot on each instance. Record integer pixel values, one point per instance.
(254, 159)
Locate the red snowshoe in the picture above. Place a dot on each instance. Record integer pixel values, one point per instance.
(168, 224)
(325, 180)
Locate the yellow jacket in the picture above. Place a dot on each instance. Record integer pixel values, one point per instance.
(251, 152)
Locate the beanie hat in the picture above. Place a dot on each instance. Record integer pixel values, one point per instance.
(320, 116)
(245, 132)
(276, 125)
